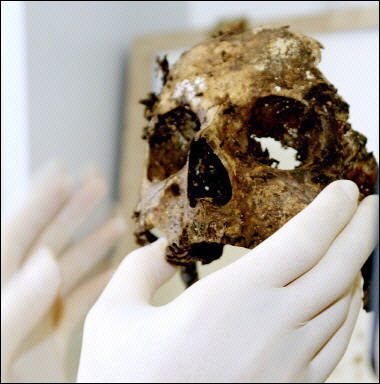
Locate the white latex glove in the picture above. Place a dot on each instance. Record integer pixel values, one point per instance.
(282, 313)
(42, 266)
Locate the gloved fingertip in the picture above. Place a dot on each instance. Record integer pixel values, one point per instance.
(90, 171)
(43, 270)
(348, 188)
(53, 167)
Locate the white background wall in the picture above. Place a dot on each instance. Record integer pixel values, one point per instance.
(14, 107)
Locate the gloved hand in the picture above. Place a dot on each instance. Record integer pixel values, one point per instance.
(284, 312)
(43, 294)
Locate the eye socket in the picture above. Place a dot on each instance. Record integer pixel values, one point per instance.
(169, 142)
(286, 121)
(273, 116)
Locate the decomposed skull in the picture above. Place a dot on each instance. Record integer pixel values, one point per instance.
(209, 181)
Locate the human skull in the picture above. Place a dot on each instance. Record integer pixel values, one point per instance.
(208, 181)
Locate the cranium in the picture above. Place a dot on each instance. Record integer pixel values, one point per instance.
(208, 180)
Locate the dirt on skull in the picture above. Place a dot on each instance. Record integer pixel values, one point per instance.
(209, 181)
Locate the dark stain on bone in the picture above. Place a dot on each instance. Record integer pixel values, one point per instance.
(149, 103)
(163, 66)
(175, 189)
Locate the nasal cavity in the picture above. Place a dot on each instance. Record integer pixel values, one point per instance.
(207, 177)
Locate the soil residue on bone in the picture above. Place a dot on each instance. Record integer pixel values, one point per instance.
(163, 66)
